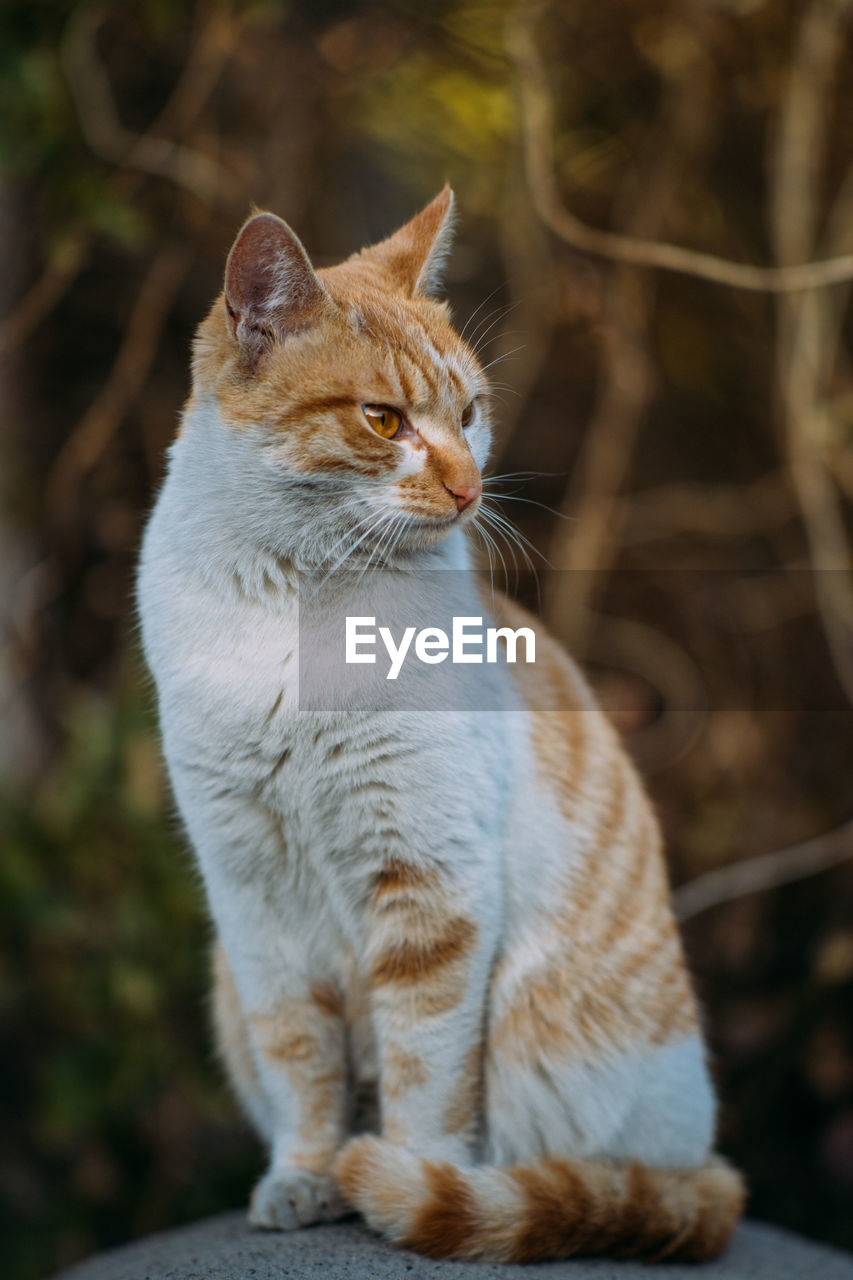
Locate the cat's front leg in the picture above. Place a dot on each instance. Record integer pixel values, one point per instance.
(298, 1043)
(428, 958)
(295, 1029)
(279, 1010)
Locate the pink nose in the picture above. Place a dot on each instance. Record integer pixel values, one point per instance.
(465, 494)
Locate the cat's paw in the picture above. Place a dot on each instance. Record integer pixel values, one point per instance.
(288, 1198)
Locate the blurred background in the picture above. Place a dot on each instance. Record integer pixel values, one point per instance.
(676, 447)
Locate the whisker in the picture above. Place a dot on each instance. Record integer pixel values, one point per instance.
(501, 521)
(508, 535)
(525, 475)
(339, 542)
(385, 553)
(480, 340)
(485, 341)
(348, 532)
(487, 535)
(376, 550)
(475, 528)
(377, 522)
(478, 309)
(511, 497)
(404, 527)
(515, 537)
(495, 387)
(505, 356)
(488, 321)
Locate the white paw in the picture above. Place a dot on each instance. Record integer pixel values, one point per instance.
(288, 1198)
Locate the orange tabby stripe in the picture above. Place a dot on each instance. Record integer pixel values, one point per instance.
(572, 1208)
(410, 961)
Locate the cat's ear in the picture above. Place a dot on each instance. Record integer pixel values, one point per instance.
(270, 286)
(413, 258)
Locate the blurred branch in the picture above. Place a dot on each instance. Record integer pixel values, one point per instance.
(526, 254)
(209, 53)
(587, 541)
(716, 511)
(148, 152)
(126, 379)
(840, 461)
(538, 133)
(211, 46)
(809, 331)
(590, 541)
(44, 294)
(768, 871)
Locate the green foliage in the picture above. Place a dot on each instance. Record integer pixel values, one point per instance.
(111, 1089)
(35, 114)
(440, 106)
(40, 140)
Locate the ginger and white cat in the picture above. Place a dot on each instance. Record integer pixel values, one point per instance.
(464, 912)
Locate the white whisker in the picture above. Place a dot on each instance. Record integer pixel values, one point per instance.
(510, 531)
(511, 497)
(526, 475)
(501, 315)
(377, 522)
(514, 538)
(493, 542)
(478, 309)
(475, 528)
(505, 356)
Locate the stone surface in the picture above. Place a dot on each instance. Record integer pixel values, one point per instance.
(226, 1248)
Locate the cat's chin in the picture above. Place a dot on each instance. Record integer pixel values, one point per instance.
(438, 526)
(426, 533)
(433, 525)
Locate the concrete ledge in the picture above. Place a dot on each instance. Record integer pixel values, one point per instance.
(225, 1248)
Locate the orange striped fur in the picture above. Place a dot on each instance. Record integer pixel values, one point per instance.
(547, 1209)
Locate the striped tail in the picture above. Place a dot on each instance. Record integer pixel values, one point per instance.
(551, 1208)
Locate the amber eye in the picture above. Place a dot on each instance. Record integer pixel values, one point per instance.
(385, 422)
(467, 414)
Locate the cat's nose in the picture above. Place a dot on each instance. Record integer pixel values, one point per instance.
(465, 494)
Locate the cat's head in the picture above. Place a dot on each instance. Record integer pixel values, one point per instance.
(347, 390)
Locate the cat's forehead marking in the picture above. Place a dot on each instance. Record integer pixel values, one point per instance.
(419, 349)
(444, 362)
(426, 371)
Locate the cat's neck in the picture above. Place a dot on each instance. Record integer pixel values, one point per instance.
(240, 537)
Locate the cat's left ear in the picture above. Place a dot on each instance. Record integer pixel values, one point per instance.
(271, 289)
(413, 258)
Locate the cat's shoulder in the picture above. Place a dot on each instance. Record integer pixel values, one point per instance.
(554, 681)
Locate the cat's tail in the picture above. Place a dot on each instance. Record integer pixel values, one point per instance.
(550, 1208)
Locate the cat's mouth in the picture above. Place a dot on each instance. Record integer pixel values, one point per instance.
(422, 521)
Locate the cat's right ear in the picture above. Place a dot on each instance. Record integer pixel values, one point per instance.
(270, 286)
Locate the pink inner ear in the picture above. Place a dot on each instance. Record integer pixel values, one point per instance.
(270, 285)
(250, 274)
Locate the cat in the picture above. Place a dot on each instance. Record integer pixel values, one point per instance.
(465, 914)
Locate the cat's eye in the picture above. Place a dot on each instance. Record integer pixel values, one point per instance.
(467, 415)
(384, 421)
